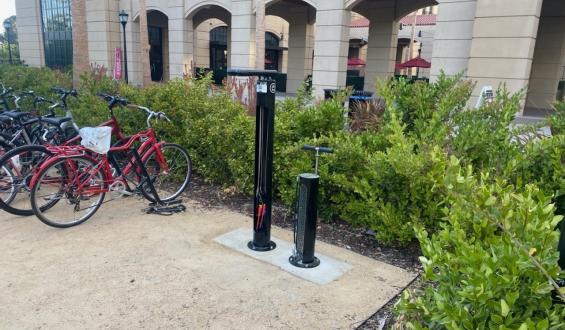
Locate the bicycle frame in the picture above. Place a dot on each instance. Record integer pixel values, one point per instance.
(148, 145)
(116, 132)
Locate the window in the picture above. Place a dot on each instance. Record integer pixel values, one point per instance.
(353, 52)
(57, 32)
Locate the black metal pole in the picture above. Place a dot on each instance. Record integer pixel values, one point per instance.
(9, 46)
(125, 55)
(263, 180)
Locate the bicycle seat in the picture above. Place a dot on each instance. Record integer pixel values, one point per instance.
(17, 115)
(5, 119)
(57, 121)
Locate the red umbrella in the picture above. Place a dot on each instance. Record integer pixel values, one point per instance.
(416, 62)
(355, 62)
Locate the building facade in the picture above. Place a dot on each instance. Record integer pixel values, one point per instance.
(517, 42)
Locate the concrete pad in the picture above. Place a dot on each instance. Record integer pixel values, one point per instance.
(126, 269)
(329, 269)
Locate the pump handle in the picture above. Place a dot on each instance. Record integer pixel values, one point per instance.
(320, 149)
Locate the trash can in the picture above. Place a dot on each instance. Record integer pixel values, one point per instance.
(359, 97)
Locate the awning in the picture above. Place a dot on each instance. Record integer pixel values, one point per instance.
(416, 62)
(355, 62)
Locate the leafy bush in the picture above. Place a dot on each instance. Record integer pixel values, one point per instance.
(483, 136)
(556, 120)
(494, 262)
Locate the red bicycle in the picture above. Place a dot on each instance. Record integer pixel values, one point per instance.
(18, 165)
(71, 185)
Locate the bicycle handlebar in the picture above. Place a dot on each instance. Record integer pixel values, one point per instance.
(317, 149)
(65, 92)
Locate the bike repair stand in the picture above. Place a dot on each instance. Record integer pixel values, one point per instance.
(264, 134)
(306, 215)
(158, 206)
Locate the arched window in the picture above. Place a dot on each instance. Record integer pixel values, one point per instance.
(219, 36)
(271, 41)
(272, 51)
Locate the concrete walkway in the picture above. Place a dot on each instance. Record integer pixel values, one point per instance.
(125, 269)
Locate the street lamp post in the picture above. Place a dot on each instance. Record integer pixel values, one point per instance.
(124, 20)
(8, 27)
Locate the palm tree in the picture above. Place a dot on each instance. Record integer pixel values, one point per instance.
(81, 62)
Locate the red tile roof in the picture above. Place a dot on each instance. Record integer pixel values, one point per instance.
(407, 20)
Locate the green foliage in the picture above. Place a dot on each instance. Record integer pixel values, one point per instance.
(556, 120)
(40, 80)
(493, 263)
(483, 136)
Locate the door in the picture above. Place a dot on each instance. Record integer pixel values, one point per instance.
(156, 52)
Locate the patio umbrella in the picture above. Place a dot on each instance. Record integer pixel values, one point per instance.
(416, 62)
(355, 62)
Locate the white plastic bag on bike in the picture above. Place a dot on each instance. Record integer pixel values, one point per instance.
(97, 139)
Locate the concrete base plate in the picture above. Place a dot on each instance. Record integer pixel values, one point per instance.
(329, 269)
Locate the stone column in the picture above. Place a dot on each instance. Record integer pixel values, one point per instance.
(331, 46)
(144, 43)
(453, 37)
(180, 41)
(504, 38)
(103, 32)
(299, 50)
(80, 41)
(260, 34)
(242, 42)
(548, 59)
(382, 46)
(30, 37)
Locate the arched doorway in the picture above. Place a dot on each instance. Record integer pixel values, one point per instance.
(212, 29)
(299, 18)
(158, 31)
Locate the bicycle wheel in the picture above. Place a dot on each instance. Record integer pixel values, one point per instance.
(7, 187)
(17, 167)
(169, 184)
(77, 186)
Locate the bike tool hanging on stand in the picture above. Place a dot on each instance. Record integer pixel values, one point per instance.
(306, 214)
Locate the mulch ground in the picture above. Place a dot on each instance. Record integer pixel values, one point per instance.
(340, 233)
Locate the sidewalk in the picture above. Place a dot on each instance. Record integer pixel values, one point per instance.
(125, 269)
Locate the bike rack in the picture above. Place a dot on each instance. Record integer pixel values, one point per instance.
(159, 206)
(263, 178)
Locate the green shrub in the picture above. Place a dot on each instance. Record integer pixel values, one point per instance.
(556, 120)
(40, 80)
(483, 136)
(493, 263)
